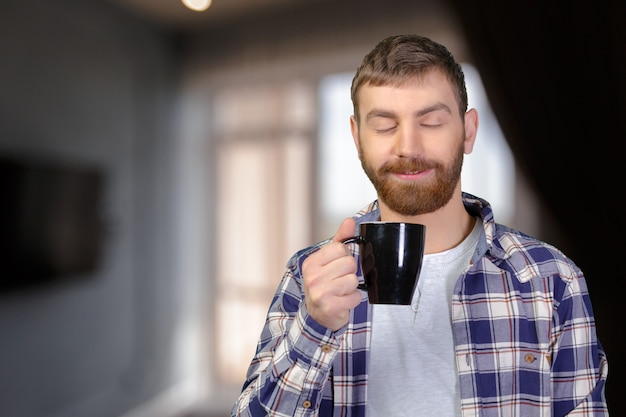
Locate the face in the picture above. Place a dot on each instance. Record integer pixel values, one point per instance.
(411, 140)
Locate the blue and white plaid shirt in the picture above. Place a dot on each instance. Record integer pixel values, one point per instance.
(524, 335)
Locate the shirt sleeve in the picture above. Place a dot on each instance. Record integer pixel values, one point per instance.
(293, 359)
(580, 367)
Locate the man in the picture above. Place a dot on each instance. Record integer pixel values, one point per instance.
(500, 325)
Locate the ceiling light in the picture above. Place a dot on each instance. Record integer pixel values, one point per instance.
(197, 5)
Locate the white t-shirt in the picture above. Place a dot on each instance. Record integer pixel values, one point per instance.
(412, 369)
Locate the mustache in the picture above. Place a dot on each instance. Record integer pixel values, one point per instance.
(408, 165)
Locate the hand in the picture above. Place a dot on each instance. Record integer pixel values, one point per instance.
(330, 281)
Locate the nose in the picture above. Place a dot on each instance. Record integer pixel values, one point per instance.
(409, 142)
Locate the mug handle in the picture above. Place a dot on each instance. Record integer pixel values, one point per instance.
(354, 239)
(359, 240)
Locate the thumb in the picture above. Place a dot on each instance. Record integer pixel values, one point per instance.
(346, 230)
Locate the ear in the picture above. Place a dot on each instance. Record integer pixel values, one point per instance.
(354, 128)
(471, 129)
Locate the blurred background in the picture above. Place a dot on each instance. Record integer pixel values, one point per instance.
(159, 166)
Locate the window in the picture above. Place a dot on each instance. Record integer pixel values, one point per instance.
(264, 150)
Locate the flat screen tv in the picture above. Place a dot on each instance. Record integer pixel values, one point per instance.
(50, 221)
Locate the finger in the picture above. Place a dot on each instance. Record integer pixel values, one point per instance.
(346, 230)
(348, 301)
(346, 284)
(344, 266)
(326, 255)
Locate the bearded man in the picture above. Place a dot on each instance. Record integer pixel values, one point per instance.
(500, 323)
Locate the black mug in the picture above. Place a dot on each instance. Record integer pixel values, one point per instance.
(390, 255)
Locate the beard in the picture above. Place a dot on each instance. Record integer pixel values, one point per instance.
(410, 198)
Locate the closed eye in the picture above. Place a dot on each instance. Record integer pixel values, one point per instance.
(385, 129)
(434, 117)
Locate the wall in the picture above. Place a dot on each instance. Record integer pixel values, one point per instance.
(82, 83)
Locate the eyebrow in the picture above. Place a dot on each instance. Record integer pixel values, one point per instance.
(379, 113)
(389, 114)
(434, 107)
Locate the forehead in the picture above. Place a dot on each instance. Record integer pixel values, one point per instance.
(426, 89)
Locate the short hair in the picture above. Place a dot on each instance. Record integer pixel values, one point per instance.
(397, 59)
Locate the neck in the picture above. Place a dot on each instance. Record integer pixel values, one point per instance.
(445, 228)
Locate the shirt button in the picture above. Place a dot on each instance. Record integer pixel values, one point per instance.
(326, 348)
(306, 404)
(529, 358)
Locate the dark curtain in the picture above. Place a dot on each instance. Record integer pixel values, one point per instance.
(555, 76)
